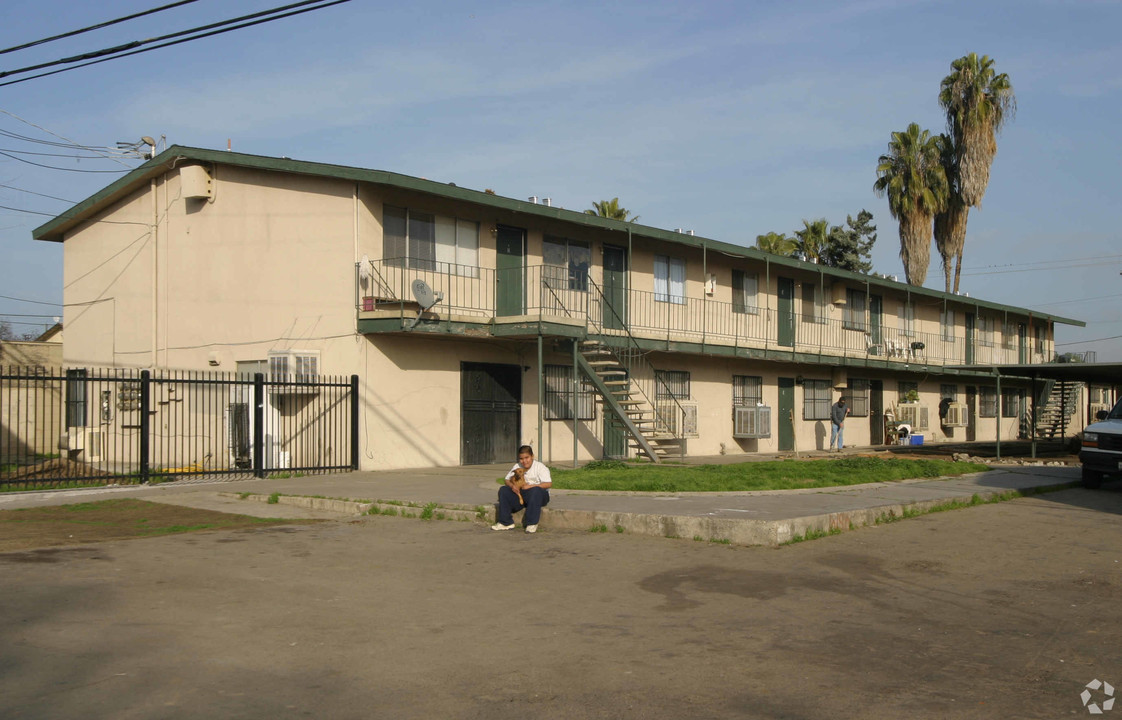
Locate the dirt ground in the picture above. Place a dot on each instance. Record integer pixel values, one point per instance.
(996, 611)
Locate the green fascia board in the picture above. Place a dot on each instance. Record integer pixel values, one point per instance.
(53, 230)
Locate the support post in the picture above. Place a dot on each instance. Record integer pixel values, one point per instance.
(998, 414)
(541, 394)
(258, 425)
(1035, 401)
(354, 422)
(145, 424)
(573, 404)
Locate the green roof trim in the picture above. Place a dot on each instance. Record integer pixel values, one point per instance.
(55, 229)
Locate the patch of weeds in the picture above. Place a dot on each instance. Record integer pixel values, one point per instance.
(427, 511)
(812, 534)
(598, 528)
(280, 476)
(158, 479)
(274, 498)
(721, 541)
(481, 512)
(619, 528)
(388, 512)
(698, 538)
(606, 465)
(243, 495)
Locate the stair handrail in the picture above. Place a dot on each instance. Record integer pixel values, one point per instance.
(659, 419)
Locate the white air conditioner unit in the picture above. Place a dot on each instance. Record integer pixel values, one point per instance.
(88, 440)
(677, 419)
(1096, 408)
(751, 422)
(957, 415)
(291, 372)
(913, 414)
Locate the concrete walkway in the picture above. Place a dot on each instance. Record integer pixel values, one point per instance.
(742, 518)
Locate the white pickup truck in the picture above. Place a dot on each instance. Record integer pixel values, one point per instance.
(1101, 452)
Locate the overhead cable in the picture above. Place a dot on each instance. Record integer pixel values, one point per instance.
(107, 23)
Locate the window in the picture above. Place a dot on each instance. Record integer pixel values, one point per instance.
(814, 303)
(987, 402)
(858, 397)
(747, 391)
(294, 366)
(853, 317)
(559, 394)
(946, 322)
(908, 318)
(745, 292)
(949, 392)
(1038, 336)
(816, 400)
(672, 385)
(566, 263)
(430, 242)
(1011, 403)
(1008, 335)
(903, 388)
(75, 398)
(670, 279)
(986, 326)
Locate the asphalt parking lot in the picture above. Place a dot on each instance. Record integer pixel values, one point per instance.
(996, 611)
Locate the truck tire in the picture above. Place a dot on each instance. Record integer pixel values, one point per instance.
(1092, 479)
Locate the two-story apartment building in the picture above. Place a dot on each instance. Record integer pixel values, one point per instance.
(477, 322)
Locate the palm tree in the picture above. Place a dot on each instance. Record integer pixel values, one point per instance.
(916, 185)
(977, 102)
(950, 223)
(611, 209)
(777, 244)
(813, 238)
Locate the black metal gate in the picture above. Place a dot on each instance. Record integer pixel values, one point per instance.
(491, 412)
(96, 426)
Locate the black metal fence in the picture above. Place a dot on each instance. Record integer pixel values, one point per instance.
(60, 427)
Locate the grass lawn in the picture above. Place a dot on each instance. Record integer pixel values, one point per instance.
(119, 519)
(773, 475)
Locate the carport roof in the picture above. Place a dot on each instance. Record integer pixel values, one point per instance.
(1098, 373)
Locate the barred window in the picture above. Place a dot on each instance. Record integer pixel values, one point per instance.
(858, 397)
(853, 317)
(672, 385)
(747, 390)
(559, 394)
(987, 402)
(903, 388)
(76, 398)
(816, 400)
(1011, 403)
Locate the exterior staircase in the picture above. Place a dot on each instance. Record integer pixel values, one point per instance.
(1058, 404)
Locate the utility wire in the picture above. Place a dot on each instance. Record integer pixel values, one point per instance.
(53, 167)
(120, 50)
(60, 137)
(107, 23)
(32, 192)
(1083, 342)
(43, 154)
(36, 302)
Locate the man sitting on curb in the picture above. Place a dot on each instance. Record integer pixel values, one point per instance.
(535, 493)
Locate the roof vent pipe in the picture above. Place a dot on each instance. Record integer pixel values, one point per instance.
(548, 202)
(533, 199)
(677, 230)
(689, 232)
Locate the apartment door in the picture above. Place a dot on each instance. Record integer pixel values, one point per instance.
(785, 309)
(971, 403)
(876, 313)
(510, 278)
(876, 412)
(785, 421)
(614, 309)
(490, 416)
(1022, 344)
(969, 338)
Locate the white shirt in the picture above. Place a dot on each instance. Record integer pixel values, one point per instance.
(536, 475)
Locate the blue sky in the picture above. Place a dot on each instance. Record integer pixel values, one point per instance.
(729, 118)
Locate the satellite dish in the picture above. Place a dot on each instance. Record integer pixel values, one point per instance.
(425, 297)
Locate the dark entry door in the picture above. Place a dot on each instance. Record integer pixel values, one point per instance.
(969, 338)
(971, 403)
(785, 310)
(785, 421)
(491, 413)
(615, 287)
(510, 280)
(876, 412)
(876, 322)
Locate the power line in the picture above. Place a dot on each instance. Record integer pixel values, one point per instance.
(8, 315)
(60, 137)
(118, 52)
(1064, 302)
(107, 23)
(1082, 342)
(53, 167)
(36, 302)
(32, 192)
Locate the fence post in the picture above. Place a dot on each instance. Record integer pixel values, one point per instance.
(354, 422)
(258, 425)
(145, 423)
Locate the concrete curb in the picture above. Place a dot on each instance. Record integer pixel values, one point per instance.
(447, 511)
(343, 507)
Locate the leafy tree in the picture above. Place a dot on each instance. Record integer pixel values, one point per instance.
(6, 331)
(813, 238)
(977, 102)
(849, 247)
(611, 209)
(950, 223)
(777, 244)
(912, 177)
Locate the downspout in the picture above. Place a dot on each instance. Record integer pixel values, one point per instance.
(354, 234)
(573, 405)
(767, 299)
(541, 394)
(155, 275)
(704, 294)
(998, 412)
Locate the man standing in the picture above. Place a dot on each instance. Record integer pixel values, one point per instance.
(838, 412)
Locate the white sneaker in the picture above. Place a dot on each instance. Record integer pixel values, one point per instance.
(500, 526)
(531, 528)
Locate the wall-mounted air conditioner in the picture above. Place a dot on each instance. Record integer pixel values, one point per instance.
(89, 441)
(1096, 408)
(751, 422)
(677, 419)
(914, 415)
(957, 415)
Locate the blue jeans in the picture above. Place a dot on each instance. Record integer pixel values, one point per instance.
(535, 498)
(836, 431)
